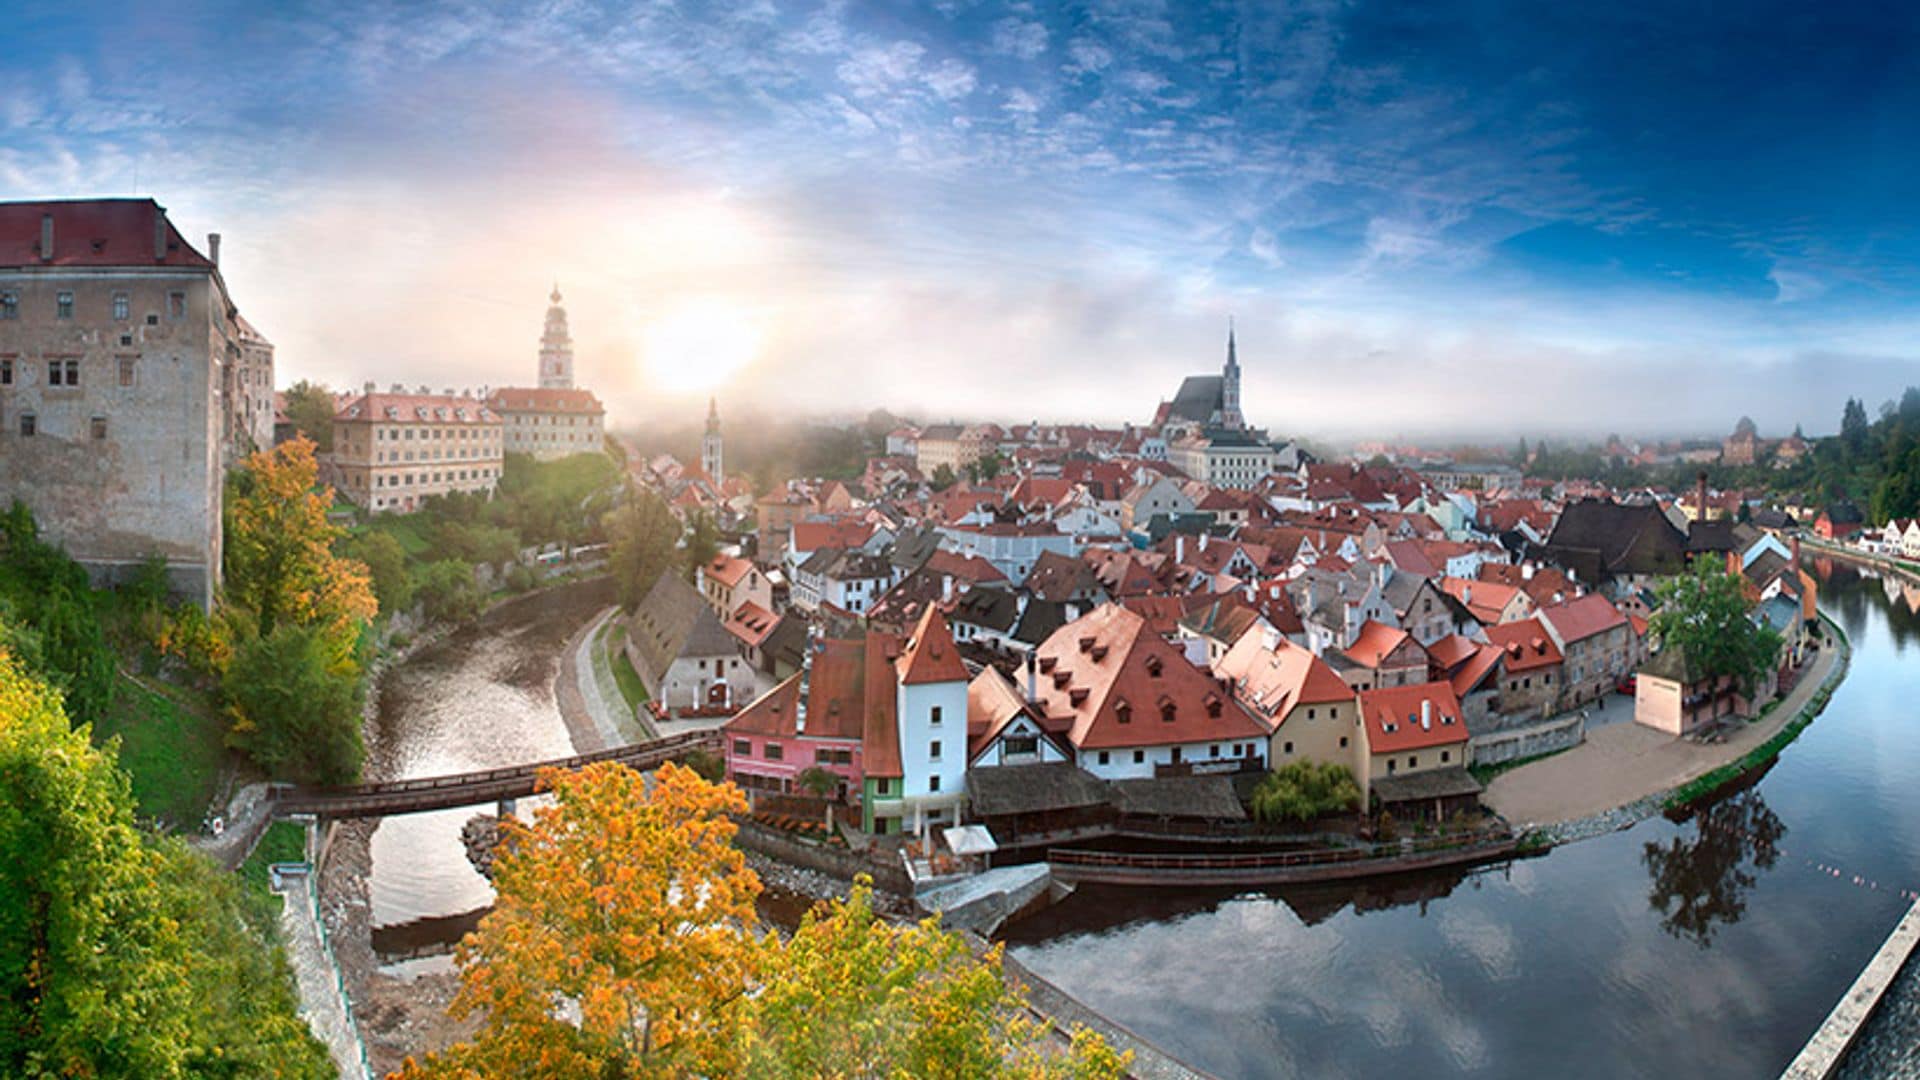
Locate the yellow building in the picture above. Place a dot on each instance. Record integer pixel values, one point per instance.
(392, 450)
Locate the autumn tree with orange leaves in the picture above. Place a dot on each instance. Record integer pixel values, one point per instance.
(624, 943)
(293, 685)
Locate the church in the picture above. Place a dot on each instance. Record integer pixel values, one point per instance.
(1206, 434)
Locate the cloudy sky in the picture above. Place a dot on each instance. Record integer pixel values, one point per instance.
(1424, 218)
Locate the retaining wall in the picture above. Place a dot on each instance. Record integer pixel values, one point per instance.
(1529, 741)
(839, 863)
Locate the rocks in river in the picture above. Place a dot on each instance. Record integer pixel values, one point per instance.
(481, 837)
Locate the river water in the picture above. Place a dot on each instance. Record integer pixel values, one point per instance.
(479, 699)
(1711, 945)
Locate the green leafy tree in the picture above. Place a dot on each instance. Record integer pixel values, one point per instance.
(702, 543)
(1305, 790)
(294, 714)
(448, 592)
(386, 563)
(642, 536)
(122, 954)
(821, 784)
(1705, 614)
(942, 478)
(48, 595)
(1854, 427)
(310, 408)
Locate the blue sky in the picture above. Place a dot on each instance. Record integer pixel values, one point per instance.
(1469, 217)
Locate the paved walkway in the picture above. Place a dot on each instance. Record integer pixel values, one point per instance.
(589, 701)
(323, 1005)
(1621, 763)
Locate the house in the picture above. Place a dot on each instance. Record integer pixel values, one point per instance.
(1489, 602)
(1533, 669)
(1013, 549)
(1597, 642)
(393, 451)
(687, 660)
(916, 766)
(1005, 726)
(1220, 622)
(1064, 579)
(1598, 541)
(1417, 751)
(728, 581)
(1153, 497)
(551, 422)
(1672, 695)
(1380, 656)
(1424, 610)
(1839, 521)
(1132, 706)
(848, 579)
(950, 446)
(1312, 714)
(819, 720)
(809, 536)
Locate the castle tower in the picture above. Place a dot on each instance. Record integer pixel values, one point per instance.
(711, 461)
(1230, 387)
(556, 348)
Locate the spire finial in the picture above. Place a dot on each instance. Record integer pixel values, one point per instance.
(556, 293)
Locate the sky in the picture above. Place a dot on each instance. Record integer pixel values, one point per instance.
(1423, 219)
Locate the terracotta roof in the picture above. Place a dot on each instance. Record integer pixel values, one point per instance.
(1270, 682)
(1486, 600)
(1110, 664)
(544, 399)
(1468, 676)
(971, 568)
(812, 535)
(752, 623)
(1393, 717)
(993, 701)
(1579, 619)
(728, 569)
(880, 731)
(1450, 651)
(930, 655)
(1375, 642)
(93, 232)
(416, 409)
(1526, 645)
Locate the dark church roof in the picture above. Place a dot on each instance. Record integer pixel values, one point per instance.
(1200, 399)
(1597, 539)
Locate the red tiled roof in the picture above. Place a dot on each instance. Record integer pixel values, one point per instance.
(1272, 681)
(880, 733)
(92, 232)
(416, 409)
(728, 570)
(1577, 620)
(970, 568)
(1450, 651)
(1526, 645)
(814, 535)
(544, 399)
(1392, 717)
(751, 623)
(1375, 642)
(1468, 676)
(1485, 599)
(930, 655)
(1103, 665)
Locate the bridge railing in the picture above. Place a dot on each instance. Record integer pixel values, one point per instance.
(1268, 859)
(667, 746)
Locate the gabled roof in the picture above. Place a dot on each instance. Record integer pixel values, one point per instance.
(93, 232)
(1271, 681)
(1393, 717)
(728, 569)
(1375, 642)
(544, 399)
(930, 655)
(672, 622)
(390, 408)
(1470, 675)
(1577, 620)
(752, 624)
(1526, 645)
(1451, 651)
(991, 609)
(993, 702)
(812, 535)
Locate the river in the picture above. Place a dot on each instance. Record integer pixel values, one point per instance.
(1710, 945)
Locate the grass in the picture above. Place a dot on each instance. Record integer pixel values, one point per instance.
(1485, 773)
(1708, 783)
(283, 842)
(631, 687)
(172, 749)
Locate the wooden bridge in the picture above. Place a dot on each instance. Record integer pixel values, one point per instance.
(474, 788)
(1275, 867)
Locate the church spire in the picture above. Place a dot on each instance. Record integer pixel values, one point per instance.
(1230, 384)
(556, 348)
(712, 454)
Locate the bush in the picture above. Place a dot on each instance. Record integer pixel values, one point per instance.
(711, 767)
(1305, 790)
(295, 715)
(519, 577)
(448, 592)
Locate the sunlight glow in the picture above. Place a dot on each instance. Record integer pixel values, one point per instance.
(698, 345)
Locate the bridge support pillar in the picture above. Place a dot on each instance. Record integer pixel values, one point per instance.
(505, 809)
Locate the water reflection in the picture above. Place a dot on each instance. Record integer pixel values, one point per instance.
(1700, 882)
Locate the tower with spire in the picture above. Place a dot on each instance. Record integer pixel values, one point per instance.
(1230, 387)
(711, 460)
(556, 348)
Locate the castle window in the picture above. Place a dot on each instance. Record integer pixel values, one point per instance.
(9, 305)
(121, 306)
(28, 425)
(99, 427)
(126, 371)
(6, 371)
(63, 305)
(176, 306)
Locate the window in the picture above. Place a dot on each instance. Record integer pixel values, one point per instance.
(1168, 713)
(99, 427)
(1214, 750)
(126, 371)
(933, 783)
(63, 373)
(152, 319)
(1123, 712)
(176, 306)
(1022, 744)
(63, 305)
(1444, 757)
(121, 306)
(1139, 756)
(6, 371)
(9, 305)
(933, 750)
(1309, 714)
(1104, 757)
(776, 752)
(1287, 748)
(28, 427)
(1413, 761)
(1343, 742)
(743, 747)
(933, 717)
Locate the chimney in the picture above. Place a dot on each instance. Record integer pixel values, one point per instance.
(1033, 678)
(159, 234)
(1700, 494)
(213, 248)
(46, 237)
(369, 386)
(1466, 594)
(1179, 548)
(1426, 714)
(946, 588)
(1203, 541)
(1526, 571)
(1796, 551)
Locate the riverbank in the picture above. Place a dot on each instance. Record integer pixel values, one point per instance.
(1625, 773)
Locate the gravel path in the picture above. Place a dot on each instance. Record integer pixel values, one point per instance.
(1889, 1046)
(321, 1004)
(1624, 765)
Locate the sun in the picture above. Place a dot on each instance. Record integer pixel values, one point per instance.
(699, 345)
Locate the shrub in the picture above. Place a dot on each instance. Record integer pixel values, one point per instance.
(1304, 790)
(295, 714)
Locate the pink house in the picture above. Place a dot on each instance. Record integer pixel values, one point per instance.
(817, 717)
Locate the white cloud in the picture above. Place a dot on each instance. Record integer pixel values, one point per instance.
(1793, 285)
(1087, 57)
(1017, 37)
(951, 80)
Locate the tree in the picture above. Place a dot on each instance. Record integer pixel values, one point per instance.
(851, 995)
(122, 954)
(702, 543)
(294, 714)
(1705, 615)
(1854, 428)
(821, 784)
(46, 595)
(310, 408)
(1520, 453)
(386, 563)
(642, 535)
(1304, 790)
(448, 592)
(943, 477)
(280, 562)
(621, 942)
